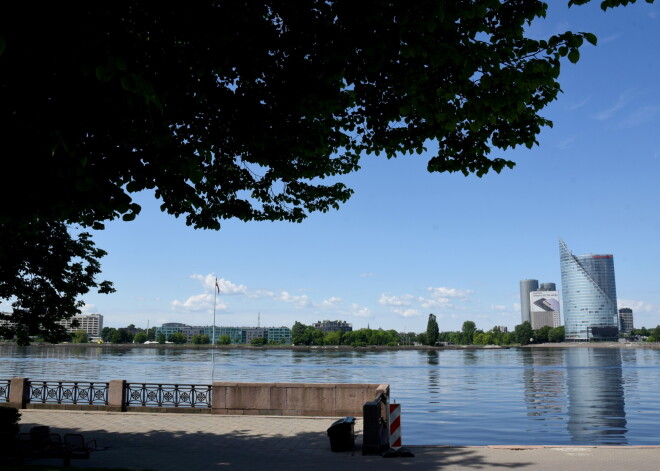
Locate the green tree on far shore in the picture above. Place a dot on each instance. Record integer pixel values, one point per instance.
(201, 339)
(79, 336)
(556, 334)
(467, 332)
(432, 330)
(178, 338)
(523, 333)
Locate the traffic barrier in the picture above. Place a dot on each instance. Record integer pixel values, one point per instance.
(395, 425)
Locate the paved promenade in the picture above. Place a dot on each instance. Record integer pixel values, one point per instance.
(169, 442)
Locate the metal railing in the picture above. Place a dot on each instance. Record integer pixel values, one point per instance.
(5, 385)
(68, 392)
(168, 395)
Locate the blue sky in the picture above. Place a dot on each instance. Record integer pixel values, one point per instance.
(410, 243)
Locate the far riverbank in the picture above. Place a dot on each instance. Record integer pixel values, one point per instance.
(654, 345)
(347, 348)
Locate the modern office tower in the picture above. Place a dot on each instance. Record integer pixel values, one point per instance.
(589, 292)
(547, 287)
(526, 287)
(544, 307)
(626, 320)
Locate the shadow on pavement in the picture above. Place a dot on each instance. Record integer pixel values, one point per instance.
(245, 448)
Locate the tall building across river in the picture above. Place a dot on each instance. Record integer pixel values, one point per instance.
(589, 296)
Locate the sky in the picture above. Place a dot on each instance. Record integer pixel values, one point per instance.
(410, 243)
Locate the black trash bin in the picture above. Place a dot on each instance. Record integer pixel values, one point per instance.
(342, 436)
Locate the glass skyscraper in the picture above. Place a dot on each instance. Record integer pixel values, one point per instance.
(589, 296)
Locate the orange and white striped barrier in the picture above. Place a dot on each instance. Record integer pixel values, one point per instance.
(395, 425)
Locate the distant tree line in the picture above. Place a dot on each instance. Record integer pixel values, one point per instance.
(302, 334)
(647, 335)
(128, 334)
(523, 334)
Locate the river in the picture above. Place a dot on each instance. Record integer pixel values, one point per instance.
(538, 396)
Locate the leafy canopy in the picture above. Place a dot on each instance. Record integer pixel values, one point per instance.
(44, 272)
(246, 110)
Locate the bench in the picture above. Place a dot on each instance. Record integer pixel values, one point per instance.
(40, 443)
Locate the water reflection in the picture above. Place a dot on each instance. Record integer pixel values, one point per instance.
(596, 410)
(543, 377)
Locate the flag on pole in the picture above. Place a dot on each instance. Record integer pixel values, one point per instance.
(217, 287)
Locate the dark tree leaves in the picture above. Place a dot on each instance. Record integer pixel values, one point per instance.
(252, 110)
(44, 270)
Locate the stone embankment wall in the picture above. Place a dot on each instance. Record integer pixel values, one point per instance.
(291, 399)
(298, 399)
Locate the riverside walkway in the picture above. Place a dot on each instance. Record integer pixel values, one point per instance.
(175, 442)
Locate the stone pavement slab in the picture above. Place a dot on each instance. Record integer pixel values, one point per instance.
(168, 442)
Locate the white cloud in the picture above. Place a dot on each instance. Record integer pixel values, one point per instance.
(390, 300)
(301, 301)
(226, 286)
(359, 311)
(579, 104)
(498, 307)
(625, 98)
(435, 302)
(609, 39)
(198, 303)
(406, 312)
(366, 275)
(638, 117)
(332, 303)
(636, 306)
(566, 143)
(449, 292)
(88, 309)
(260, 293)
(442, 296)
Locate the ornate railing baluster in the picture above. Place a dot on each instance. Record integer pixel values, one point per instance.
(68, 392)
(168, 395)
(5, 385)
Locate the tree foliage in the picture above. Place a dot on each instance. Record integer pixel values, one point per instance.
(432, 330)
(243, 110)
(467, 332)
(178, 338)
(79, 336)
(201, 339)
(44, 272)
(249, 110)
(258, 342)
(524, 333)
(556, 334)
(302, 334)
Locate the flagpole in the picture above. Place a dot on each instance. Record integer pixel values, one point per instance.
(216, 288)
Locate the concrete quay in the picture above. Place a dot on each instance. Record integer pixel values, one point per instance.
(169, 442)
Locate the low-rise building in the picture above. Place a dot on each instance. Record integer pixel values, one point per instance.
(237, 335)
(90, 323)
(333, 326)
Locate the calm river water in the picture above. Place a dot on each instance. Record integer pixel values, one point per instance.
(553, 396)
